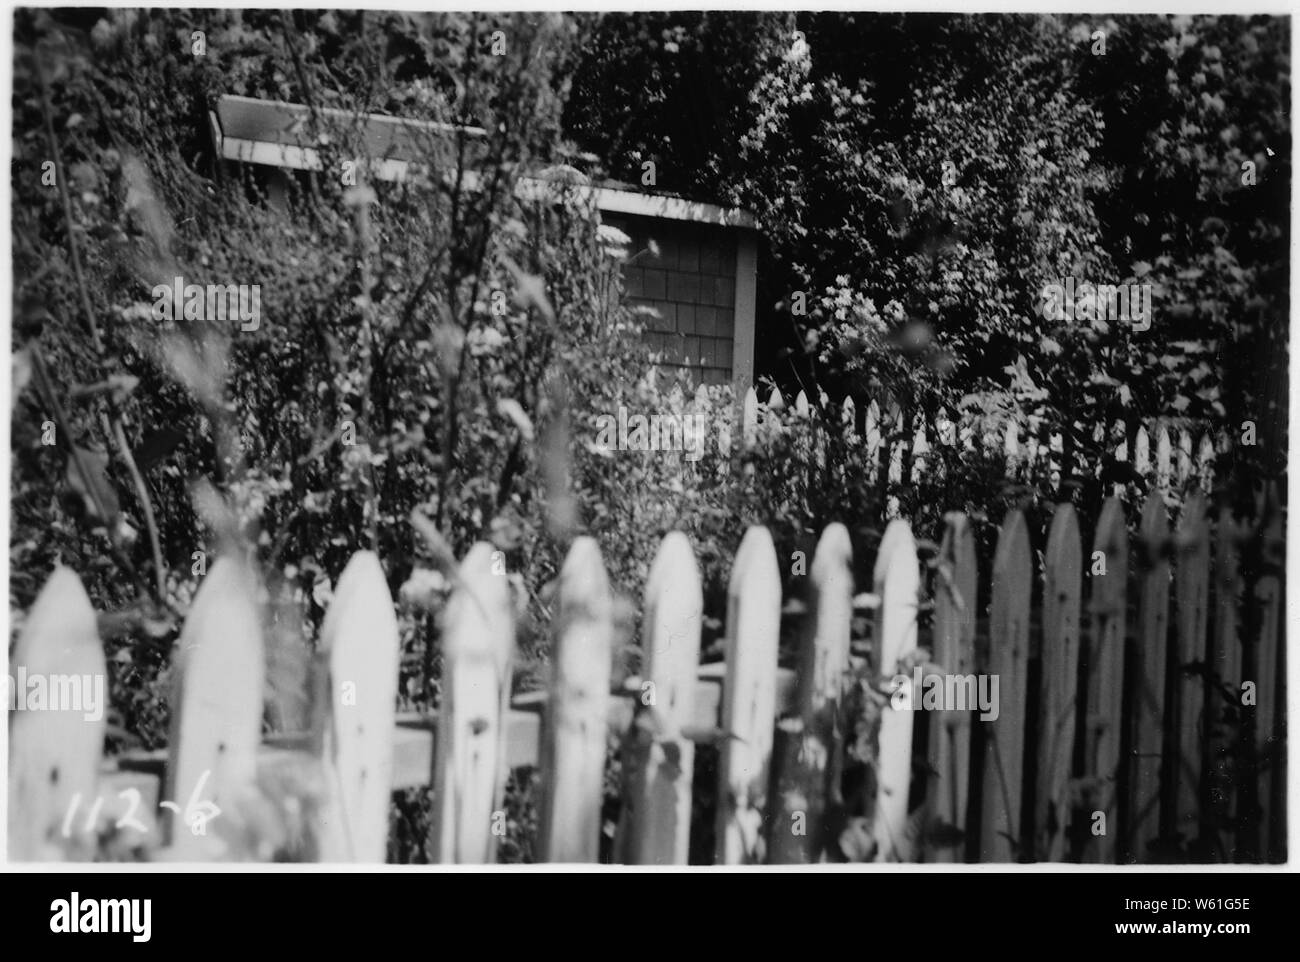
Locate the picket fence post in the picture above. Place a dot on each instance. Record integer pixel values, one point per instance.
(895, 445)
(360, 645)
(1191, 591)
(574, 734)
(749, 419)
(1184, 457)
(1224, 663)
(469, 762)
(1270, 748)
(897, 581)
(1205, 463)
(216, 711)
(1000, 836)
(54, 755)
(1164, 464)
(748, 699)
(807, 743)
(658, 758)
(1149, 778)
(956, 607)
(1142, 452)
(1108, 573)
(1062, 593)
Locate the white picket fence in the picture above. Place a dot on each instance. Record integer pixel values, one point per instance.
(1173, 454)
(221, 790)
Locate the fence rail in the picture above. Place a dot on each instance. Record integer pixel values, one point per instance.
(1138, 715)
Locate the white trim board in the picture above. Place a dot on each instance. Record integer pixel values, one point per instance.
(608, 199)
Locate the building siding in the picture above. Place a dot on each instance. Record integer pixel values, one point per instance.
(686, 292)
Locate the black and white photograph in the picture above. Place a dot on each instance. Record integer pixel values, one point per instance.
(802, 439)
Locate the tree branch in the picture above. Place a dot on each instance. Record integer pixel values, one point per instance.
(115, 413)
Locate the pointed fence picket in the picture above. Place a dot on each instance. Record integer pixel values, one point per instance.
(748, 699)
(899, 450)
(1204, 772)
(574, 736)
(1269, 743)
(897, 581)
(359, 643)
(1008, 662)
(658, 757)
(217, 709)
(1062, 594)
(1191, 591)
(956, 605)
(54, 756)
(1147, 717)
(478, 644)
(1105, 674)
(808, 739)
(1224, 665)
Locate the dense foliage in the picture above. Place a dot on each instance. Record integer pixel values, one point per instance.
(920, 177)
(433, 355)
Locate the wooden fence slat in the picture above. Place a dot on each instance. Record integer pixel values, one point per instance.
(871, 433)
(1033, 448)
(1225, 711)
(807, 742)
(1205, 463)
(748, 699)
(1164, 454)
(658, 758)
(1147, 819)
(1184, 456)
(956, 605)
(1011, 447)
(897, 581)
(1013, 572)
(1108, 573)
(920, 450)
(1121, 454)
(1142, 451)
(1062, 594)
(574, 733)
(1270, 747)
(849, 463)
(945, 437)
(749, 418)
(728, 422)
(897, 447)
(54, 748)
(469, 771)
(360, 644)
(217, 709)
(1191, 589)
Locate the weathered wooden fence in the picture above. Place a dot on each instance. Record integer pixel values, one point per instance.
(1139, 710)
(1169, 454)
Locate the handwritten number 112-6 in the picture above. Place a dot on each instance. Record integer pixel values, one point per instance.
(196, 815)
(126, 821)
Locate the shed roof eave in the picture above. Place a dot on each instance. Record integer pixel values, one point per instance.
(266, 117)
